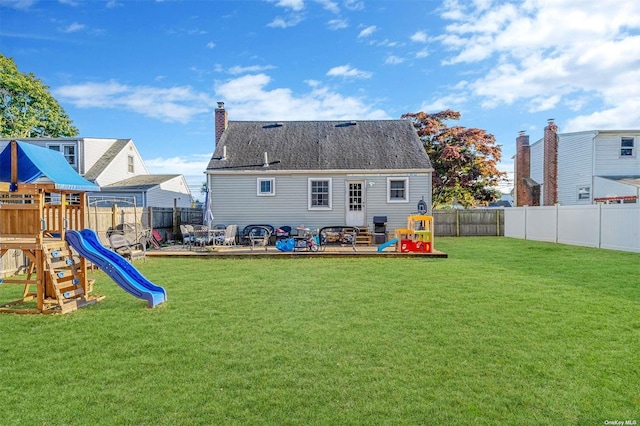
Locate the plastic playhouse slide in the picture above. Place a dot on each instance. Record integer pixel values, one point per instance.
(387, 244)
(87, 244)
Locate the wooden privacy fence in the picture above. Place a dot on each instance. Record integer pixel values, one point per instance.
(469, 223)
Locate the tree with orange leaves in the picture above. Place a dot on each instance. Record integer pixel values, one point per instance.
(464, 159)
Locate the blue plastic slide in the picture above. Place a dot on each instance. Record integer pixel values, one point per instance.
(86, 243)
(387, 244)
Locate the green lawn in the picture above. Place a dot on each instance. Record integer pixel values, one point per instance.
(502, 332)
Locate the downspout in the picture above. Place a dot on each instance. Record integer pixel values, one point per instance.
(593, 165)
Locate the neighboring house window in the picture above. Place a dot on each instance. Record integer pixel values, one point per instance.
(69, 152)
(397, 190)
(627, 146)
(130, 167)
(319, 194)
(266, 187)
(584, 193)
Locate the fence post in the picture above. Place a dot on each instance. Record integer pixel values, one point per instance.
(114, 212)
(457, 223)
(175, 218)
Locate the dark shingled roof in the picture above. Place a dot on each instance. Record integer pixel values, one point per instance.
(138, 183)
(321, 145)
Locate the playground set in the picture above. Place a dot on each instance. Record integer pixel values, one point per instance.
(42, 208)
(417, 237)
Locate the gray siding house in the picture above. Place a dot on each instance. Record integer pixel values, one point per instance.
(317, 173)
(581, 168)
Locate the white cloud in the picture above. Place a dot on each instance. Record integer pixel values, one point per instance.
(75, 27)
(442, 103)
(367, 31)
(338, 24)
(18, 4)
(348, 72)
(289, 4)
(285, 23)
(419, 37)
(422, 53)
(354, 4)
(329, 5)
(250, 69)
(544, 55)
(393, 60)
(174, 104)
(193, 164)
(211, 45)
(248, 97)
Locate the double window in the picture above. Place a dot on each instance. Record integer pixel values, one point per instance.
(266, 187)
(397, 190)
(584, 193)
(627, 146)
(68, 150)
(319, 194)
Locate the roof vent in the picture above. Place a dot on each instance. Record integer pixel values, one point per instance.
(347, 124)
(224, 154)
(265, 162)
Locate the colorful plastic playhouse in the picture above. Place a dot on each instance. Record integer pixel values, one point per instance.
(417, 236)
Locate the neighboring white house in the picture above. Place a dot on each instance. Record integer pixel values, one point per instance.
(578, 168)
(150, 190)
(112, 163)
(317, 173)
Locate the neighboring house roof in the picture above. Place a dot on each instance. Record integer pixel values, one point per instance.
(627, 180)
(36, 164)
(94, 172)
(139, 183)
(321, 145)
(501, 203)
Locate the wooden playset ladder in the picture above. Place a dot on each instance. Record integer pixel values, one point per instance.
(63, 272)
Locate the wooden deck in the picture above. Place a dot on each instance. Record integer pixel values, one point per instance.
(271, 251)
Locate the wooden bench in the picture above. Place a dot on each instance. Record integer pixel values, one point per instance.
(124, 248)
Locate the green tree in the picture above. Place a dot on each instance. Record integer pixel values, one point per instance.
(27, 109)
(464, 159)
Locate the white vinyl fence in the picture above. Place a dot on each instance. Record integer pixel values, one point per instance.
(613, 226)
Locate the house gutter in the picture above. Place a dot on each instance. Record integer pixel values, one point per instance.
(352, 172)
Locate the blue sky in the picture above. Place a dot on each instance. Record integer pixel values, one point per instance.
(154, 70)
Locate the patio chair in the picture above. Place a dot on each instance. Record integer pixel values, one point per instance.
(259, 237)
(217, 233)
(201, 236)
(187, 232)
(283, 232)
(230, 235)
(124, 248)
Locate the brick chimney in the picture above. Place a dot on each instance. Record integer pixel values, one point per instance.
(221, 121)
(522, 169)
(550, 165)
